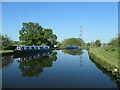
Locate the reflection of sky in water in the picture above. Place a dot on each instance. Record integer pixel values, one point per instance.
(0, 62)
(0, 79)
(0, 72)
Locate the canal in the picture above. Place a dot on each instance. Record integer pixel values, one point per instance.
(57, 69)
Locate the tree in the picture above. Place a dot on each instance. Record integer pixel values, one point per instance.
(98, 43)
(115, 41)
(49, 37)
(72, 41)
(89, 44)
(59, 44)
(33, 33)
(5, 42)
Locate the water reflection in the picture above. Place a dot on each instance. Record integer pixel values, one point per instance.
(73, 51)
(6, 61)
(33, 65)
(63, 71)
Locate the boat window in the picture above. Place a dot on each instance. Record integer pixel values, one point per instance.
(41, 47)
(28, 48)
(36, 47)
(22, 48)
(32, 47)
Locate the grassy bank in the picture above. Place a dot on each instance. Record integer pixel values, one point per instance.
(107, 59)
(6, 51)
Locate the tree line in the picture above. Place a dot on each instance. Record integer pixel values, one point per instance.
(6, 42)
(34, 34)
(114, 43)
(71, 41)
(79, 42)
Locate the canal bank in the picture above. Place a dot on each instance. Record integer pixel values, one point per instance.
(105, 61)
(6, 52)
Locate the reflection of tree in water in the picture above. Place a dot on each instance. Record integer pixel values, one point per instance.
(53, 56)
(77, 52)
(107, 73)
(73, 51)
(6, 61)
(35, 66)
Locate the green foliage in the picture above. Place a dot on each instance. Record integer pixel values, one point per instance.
(98, 43)
(90, 44)
(49, 37)
(114, 44)
(32, 33)
(115, 41)
(59, 44)
(16, 43)
(5, 42)
(72, 41)
(5, 51)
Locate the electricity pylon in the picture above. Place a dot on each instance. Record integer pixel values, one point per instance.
(81, 37)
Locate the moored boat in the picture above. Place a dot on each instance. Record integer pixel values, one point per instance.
(26, 49)
(71, 47)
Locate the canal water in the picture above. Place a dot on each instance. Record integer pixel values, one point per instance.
(57, 69)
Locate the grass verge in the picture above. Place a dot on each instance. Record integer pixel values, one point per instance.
(106, 59)
(6, 51)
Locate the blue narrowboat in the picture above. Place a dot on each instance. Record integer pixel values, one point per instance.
(26, 49)
(71, 47)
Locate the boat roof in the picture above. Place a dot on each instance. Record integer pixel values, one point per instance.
(32, 46)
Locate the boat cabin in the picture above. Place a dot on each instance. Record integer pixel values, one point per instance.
(21, 48)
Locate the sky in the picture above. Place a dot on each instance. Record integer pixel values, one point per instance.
(98, 19)
(60, 0)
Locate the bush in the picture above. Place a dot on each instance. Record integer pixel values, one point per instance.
(5, 42)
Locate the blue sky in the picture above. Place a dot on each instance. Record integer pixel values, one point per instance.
(99, 19)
